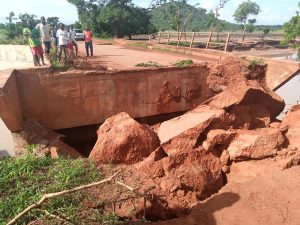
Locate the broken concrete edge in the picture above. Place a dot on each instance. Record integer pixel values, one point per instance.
(11, 112)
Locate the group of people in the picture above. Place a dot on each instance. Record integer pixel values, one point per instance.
(55, 37)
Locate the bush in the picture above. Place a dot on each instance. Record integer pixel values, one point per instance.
(148, 64)
(184, 63)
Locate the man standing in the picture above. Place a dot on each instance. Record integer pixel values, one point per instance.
(33, 37)
(45, 30)
(62, 36)
(88, 35)
(73, 40)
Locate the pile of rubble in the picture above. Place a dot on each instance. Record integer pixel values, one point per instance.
(185, 160)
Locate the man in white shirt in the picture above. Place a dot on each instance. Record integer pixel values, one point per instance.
(45, 31)
(62, 36)
(73, 40)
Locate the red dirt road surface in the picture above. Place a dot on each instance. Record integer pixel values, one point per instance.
(121, 57)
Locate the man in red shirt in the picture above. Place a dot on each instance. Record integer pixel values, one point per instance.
(88, 35)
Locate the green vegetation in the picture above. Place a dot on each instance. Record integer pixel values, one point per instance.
(138, 44)
(190, 18)
(110, 218)
(184, 63)
(4, 40)
(148, 64)
(165, 49)
(117, 18)
(292, 31)
(182, 44)
(242, 14)
(257, 62)
(24, 180)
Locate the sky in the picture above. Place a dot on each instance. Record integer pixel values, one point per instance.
(273, 11)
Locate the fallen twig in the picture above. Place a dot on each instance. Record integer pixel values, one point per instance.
(144, 195)
(56, 194)
(55, 216)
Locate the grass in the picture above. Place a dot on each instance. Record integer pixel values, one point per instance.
(181, 44)
(184, 63)
(165, 49)
(148, 64)
(109, 218)
(256, 62)
(138, 44)
(55, 64)
(24, 180)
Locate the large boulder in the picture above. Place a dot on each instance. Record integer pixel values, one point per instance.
(123, 140)
(238, 83)
(184, 132)
(183, 178)
(256, 144)
(292, 123)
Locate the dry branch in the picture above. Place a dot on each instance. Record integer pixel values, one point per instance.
(55, 216)
(144, 195)
(56, 194)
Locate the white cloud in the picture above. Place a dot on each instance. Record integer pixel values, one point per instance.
(61, 8)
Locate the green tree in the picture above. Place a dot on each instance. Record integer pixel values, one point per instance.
(250, 26)
(243, 12)
(291, 31)
(217, 24)
(25, 18)
(77, 25)
(53, 20)
(122, 18)
(116, 17)
(10, 26)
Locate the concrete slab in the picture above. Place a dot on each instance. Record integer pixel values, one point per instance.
(15, 56)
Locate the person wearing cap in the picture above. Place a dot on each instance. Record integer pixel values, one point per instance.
(33, 37)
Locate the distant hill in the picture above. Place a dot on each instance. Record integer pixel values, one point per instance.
(200, 20)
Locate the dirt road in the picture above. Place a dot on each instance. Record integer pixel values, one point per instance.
(118, 57)
(271, 199)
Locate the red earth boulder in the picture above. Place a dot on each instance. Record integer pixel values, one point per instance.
(291, 123)
(238, 83)
(184, 132)
(183, 178)
(121, 139)
(256, 144)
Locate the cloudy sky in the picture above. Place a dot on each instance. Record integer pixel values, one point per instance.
(273, 11)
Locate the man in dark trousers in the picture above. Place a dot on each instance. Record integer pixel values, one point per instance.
(88, 35)
(62, 36)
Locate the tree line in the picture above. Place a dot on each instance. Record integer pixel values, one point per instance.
(120, 18)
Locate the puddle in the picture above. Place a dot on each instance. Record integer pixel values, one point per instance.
(290, 92)
(292, 57)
